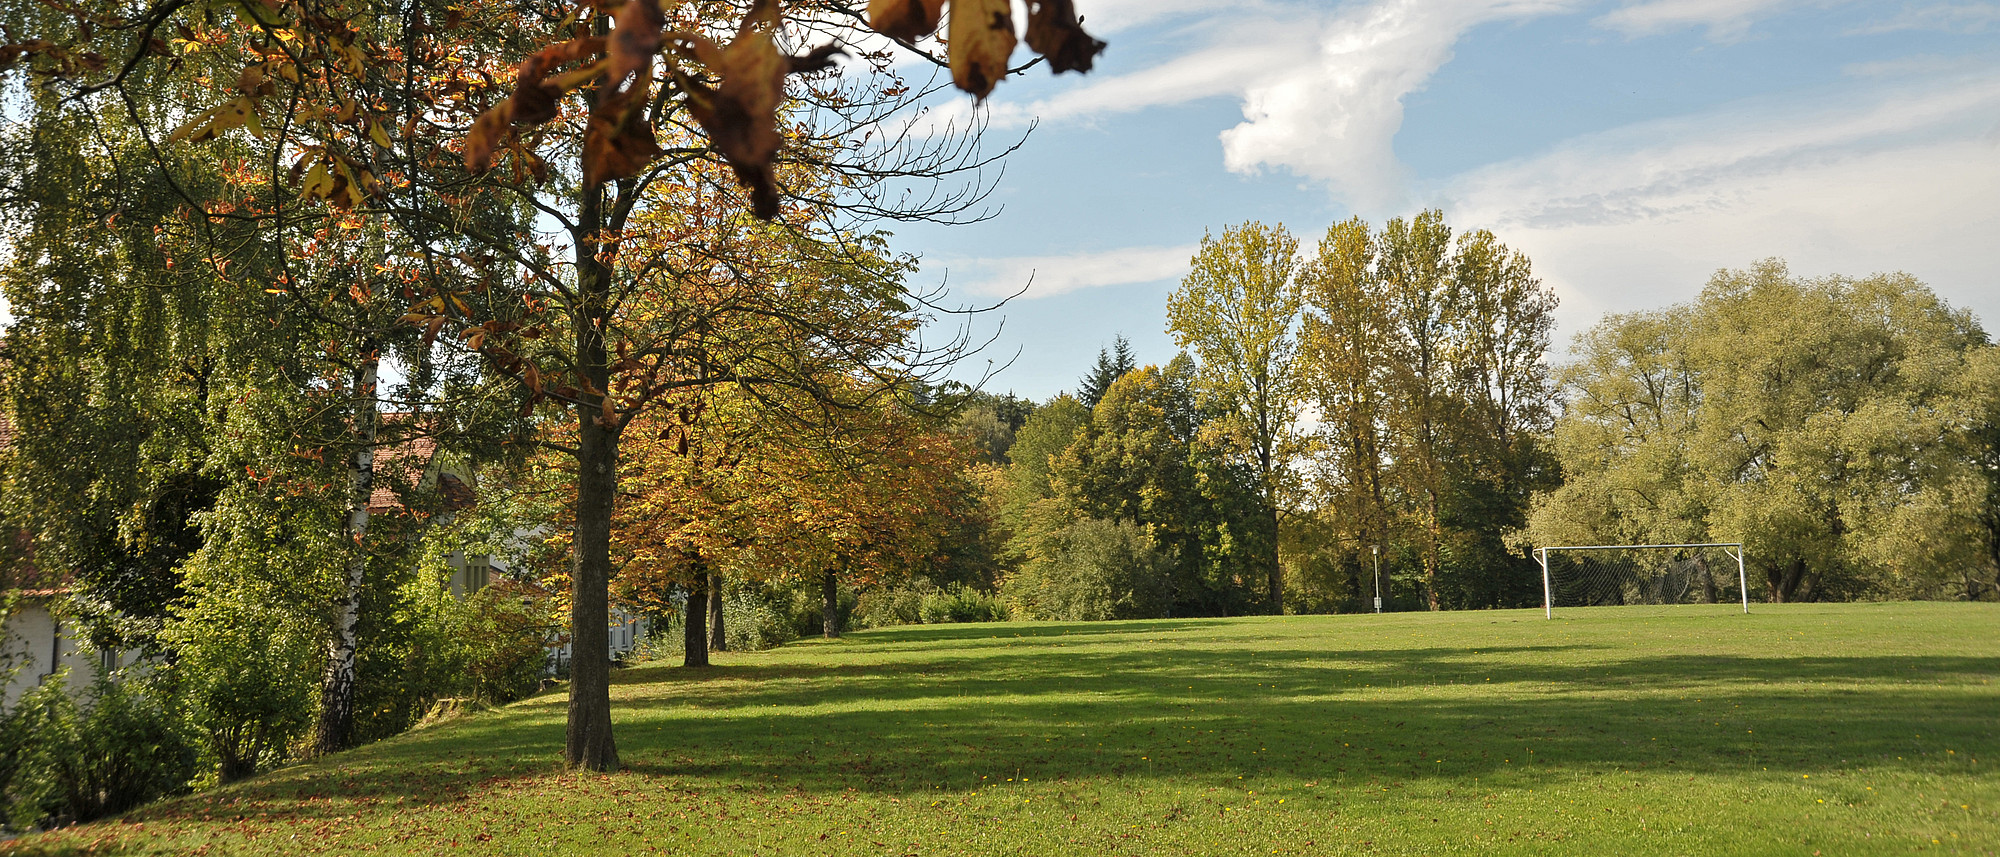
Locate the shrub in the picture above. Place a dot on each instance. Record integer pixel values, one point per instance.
(886, 607)
(502, 633)
(120, 749)
(754, 618)
(249, 674)
(961, 603)
(799, 604)
(1092, 570)
(753, 622)
(921, 602)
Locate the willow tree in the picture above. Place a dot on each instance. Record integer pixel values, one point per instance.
(1839, 426)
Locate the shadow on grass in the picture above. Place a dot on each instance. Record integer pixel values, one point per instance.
(1206, 710)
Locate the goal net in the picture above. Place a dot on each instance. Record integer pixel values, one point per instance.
(1614, 575)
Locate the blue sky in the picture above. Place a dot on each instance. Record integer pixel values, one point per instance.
(1630, 148)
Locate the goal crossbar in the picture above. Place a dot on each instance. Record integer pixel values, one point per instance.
(1733, 549)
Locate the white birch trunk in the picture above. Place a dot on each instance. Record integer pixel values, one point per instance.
(336, 690)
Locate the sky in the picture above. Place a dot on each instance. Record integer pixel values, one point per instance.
(1631, 148)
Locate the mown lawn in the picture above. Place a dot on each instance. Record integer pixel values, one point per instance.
(1800, 729)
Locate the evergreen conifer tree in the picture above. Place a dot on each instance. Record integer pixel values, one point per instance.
(1112, 364)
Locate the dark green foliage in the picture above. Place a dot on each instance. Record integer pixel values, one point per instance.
(991, 421)
(1093, 570)
(1112, 364)
(1144, 458)
(1043, 437)
(74, 761)
(504, 642)
(922, 602)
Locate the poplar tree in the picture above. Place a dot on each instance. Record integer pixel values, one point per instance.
(1238, 311)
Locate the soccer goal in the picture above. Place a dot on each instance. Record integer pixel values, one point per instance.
(1608, 575)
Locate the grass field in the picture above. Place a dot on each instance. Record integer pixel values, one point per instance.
(1799, 729)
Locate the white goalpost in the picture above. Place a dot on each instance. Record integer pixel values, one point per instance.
(1641, 574)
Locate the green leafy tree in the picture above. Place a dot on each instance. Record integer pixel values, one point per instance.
(1425, 356)
(1835, 425)
(1238, 310)
(1344, 343)
(1093, 570)
(1043, 436)
(1144, 459)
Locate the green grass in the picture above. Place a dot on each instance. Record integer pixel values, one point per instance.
(1801, 729)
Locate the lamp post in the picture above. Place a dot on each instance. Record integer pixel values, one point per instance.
(1377, 551)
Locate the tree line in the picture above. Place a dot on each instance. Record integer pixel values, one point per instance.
(1388, 401)
(1386, 395)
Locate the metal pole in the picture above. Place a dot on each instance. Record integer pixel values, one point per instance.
(1742, 579)
(1377, 551)
(1548, 603)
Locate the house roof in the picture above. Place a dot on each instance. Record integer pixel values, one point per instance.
(409, 462)
(40, 593)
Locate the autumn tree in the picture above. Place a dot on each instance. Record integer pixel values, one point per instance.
(373, 108)
(725, 484)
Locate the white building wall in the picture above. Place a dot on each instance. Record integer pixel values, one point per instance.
(35, 643)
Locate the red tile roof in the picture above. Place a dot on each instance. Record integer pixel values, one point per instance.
(408, 463)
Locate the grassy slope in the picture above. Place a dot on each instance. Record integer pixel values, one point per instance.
(1848, 729)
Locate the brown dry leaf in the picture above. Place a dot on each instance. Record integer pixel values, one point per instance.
(532, 102)
(534, 98)
(1055, 33)
(619, 142)
(486, 134)
(908, 20)
(982, 38)
(634, 42)
(613, 151)
(741, 114)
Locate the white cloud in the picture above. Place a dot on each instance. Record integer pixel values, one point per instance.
(1725, 19)
(1216, 70)
(1321, 89)
(1334, 118)
(1918, 64)
(1891, 178)
(1111, 16)
(1948, 17)
(1043, 276)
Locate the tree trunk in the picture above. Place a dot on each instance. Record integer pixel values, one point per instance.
(718, 637)
(1784, 580)
(1433, 558)
(1708, 591)
(694, 624)
(588, 744)
(1275, 571)
(829, 609)
(336, 686)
